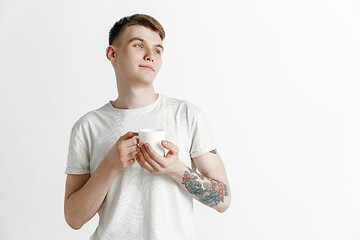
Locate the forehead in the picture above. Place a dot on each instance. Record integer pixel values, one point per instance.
(141, 32)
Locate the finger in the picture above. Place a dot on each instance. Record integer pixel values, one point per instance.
(128, 153)
(131, 156)
(152, 162)
(131, 149)
(130, 142)
(143, 163)
(154, 155)
(130, 162)
(170, 146)
(128, 135)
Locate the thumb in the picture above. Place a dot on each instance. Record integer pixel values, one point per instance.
(170, 146)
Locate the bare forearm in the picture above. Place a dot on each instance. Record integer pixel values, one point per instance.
(83, 204)
(208, 191)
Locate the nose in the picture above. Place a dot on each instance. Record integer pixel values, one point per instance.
(149, 56)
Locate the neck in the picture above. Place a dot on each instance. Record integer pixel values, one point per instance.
(131, 98)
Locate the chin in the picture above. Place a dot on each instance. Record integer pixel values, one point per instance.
(146, 79)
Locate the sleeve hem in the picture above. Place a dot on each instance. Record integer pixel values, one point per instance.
(76, 171)
(201, 152)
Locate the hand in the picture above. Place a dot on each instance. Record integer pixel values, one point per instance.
(149, 159)
(122, 155)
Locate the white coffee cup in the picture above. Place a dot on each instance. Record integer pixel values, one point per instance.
(154, 138)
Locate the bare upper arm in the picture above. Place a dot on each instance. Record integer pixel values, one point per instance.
(210, 165)
(74, 182)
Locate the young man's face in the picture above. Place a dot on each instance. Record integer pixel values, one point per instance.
(140, 47)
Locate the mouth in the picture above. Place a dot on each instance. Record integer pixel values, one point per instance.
(148, 67)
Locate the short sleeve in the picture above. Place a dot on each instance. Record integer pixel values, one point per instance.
(202, 138)
(78, 160)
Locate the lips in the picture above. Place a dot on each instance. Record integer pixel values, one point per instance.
(146, 66)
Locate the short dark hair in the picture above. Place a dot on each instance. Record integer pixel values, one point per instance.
(135, 19)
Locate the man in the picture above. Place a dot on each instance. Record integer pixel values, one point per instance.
(137, 193)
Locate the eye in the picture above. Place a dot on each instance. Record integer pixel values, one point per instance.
(156, 50)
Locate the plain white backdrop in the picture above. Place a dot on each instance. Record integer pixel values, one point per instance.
(278, 81)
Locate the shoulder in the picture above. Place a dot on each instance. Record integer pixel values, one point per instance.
(85, 121)
(182, 105)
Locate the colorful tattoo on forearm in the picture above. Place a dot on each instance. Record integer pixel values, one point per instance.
(211, 192)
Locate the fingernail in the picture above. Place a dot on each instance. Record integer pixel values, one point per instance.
(165, 142)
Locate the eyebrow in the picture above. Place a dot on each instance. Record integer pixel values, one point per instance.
(143, 40)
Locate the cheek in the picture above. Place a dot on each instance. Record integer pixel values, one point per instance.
(159, 62)
(127, 59)
(125, 66)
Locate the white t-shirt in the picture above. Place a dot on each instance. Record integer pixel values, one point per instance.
(140, 204)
